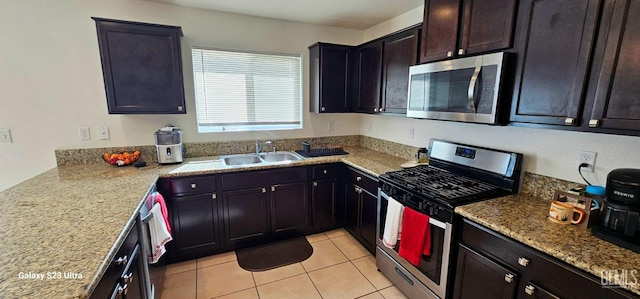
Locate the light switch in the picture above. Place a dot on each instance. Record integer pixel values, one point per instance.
(5, 136)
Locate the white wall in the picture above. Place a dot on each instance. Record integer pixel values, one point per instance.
(51, 77)
(547, 152)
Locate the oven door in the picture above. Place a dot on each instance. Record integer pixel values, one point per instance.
(433, 269)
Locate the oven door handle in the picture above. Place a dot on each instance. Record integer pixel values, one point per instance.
(437, 223)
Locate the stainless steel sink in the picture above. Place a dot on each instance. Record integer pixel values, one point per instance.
(262, 158)
(235, 160)
(280, 157)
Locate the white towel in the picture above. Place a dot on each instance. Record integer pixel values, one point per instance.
(393, 223)
(158, 234)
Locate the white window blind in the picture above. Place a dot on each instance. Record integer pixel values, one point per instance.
(242, 91)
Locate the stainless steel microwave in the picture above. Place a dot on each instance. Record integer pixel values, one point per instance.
(464, 89)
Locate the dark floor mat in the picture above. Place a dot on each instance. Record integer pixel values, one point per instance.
(274, 255)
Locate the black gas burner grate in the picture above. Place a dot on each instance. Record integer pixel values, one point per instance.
(435, 183)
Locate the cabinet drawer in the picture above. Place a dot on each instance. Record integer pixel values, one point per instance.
(263, 178)
(325, 171)
(193, 185)
(118, 264)
(362, 180)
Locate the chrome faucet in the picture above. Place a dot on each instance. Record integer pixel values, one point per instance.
(259, 147)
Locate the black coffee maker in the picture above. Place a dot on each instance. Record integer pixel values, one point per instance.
(620, 216)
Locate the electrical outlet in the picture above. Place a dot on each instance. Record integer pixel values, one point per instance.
(589, 158)
(84, 133)
(103, 133)
(5, 136)
(412, 131)
(330, 126)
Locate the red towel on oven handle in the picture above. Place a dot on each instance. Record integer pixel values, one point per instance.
(416, 236)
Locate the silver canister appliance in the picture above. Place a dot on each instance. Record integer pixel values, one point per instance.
(169, 146)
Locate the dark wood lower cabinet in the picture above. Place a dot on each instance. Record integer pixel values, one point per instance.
(124, 277)
(245, 214)
(289, 208)
(195, 223)
(324, 204)
(480, 277)
(487, 261)
(360, 195)
(368, 219)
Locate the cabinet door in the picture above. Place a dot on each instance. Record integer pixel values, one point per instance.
(479, 277)
(555, 46)
(195, 223)
(486, 26)
(370, 76)
(142, 67)
(289, 208)
(399, 54)
(245, 214)
(352, 208)
(323, 201)
(439, 29)
(368, 219)
(617, 100)
(329, 69)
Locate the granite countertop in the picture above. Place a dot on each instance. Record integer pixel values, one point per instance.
(523, 218)
(69, 220)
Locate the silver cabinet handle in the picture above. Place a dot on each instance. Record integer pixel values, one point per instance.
(322, 109)
(375, 109)
(264, 190)
(358, 178)
(460, 51)
(180, 108)
(450, 54)
(214, 196)
(324, 171)
(127, 278)
(529, 289)
(569, 121)
(508, 278)
(122, 260)
(471, 92)
(594, 123)
(273, 188)
(193, 186)
(522, 261)
(315, 184)
(122, 290)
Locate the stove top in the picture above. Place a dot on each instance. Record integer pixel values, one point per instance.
(432, 183)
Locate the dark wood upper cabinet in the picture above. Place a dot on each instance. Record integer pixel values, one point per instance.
(369, 79)
(555, 46)
(142, 67)
(465, 27)
(439, 29)
(329, 78)
(382, 72)
(400, 52)
(617, 98)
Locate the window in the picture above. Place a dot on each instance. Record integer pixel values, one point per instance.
(242, 91)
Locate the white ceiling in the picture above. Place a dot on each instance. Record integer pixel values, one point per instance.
(355, 14)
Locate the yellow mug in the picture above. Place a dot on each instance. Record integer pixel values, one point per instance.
(563, 213)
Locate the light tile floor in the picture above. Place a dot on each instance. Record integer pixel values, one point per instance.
(339, 268)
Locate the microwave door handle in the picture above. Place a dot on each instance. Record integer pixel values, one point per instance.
(471, 92)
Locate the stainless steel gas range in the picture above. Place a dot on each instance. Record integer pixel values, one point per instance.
(457, 174)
